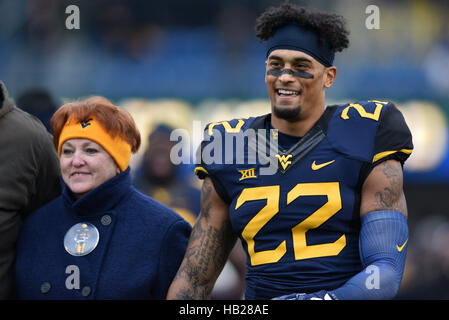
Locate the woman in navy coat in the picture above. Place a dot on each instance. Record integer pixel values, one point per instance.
(101, 239)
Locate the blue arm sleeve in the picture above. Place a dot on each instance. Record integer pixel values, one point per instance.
(382, 245)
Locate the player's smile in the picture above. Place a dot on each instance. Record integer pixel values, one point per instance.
(288, 99)
(287, 94)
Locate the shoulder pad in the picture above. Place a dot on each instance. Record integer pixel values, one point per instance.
(211, 155)
(365, 129)
(229, 126)
(213, 144)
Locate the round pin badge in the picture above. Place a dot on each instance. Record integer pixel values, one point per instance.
(81, 239)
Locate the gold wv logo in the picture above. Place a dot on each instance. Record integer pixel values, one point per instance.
(284, 160)
(247, 173)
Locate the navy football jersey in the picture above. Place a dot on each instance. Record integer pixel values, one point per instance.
(299, 224)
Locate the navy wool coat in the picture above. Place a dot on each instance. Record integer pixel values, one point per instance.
(141, 245)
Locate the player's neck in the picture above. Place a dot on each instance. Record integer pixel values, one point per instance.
(299, 127)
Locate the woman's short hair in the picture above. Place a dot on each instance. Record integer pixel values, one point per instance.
(115, 120)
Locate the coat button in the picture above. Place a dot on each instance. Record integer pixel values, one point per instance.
(86, 291)
(45, 287)
(106, 220)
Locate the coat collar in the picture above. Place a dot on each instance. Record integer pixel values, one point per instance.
(5, 104)
(103, 198)
(2, 93)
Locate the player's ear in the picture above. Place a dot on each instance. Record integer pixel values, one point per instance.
(266, 66)
(330, 73)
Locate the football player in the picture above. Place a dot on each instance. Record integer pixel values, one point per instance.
(331, 222)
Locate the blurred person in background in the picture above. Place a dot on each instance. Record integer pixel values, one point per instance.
(428, 264)
(159, 178)
(29, 178)
(437, 62)
(101, 239)
(38, 102)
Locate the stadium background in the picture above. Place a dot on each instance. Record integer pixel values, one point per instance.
(176, 61)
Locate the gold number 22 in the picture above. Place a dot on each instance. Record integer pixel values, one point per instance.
(316, 219)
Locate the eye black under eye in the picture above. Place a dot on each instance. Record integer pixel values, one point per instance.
(298, 74)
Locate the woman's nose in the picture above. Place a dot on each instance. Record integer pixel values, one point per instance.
(78, 160)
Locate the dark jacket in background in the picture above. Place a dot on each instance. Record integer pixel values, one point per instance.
(29, 178)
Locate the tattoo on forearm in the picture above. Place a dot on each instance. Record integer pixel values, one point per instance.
(206, 253)
(206, 190)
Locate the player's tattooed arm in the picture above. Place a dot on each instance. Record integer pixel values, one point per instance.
(209, 246)
(383, 189)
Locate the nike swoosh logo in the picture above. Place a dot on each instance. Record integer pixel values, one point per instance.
(319, 166)
(401, 247)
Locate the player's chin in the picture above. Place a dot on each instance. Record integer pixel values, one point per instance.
(289, 113)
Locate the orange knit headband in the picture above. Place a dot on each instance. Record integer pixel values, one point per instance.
(91, 129)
